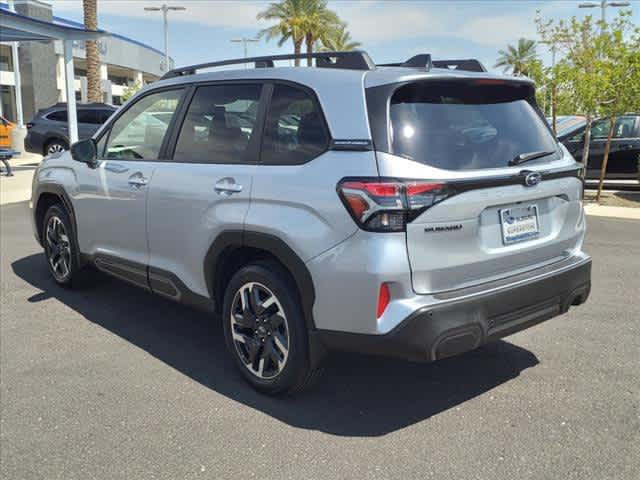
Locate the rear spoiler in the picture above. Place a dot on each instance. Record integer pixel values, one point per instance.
(425, 61)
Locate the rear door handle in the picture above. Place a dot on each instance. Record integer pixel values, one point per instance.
(227, 186)
(625, 147)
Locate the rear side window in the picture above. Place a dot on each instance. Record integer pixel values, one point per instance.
(58, 116)
(87, 116)
(219, 124)
(457, 126)
(103, 116)
(295, 130)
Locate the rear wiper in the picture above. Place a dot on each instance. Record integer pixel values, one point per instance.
(527, 157)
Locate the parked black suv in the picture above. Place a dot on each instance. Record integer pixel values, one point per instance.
(48, 131)
(625, 146)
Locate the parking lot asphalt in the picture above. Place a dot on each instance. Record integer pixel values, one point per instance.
(110, 382)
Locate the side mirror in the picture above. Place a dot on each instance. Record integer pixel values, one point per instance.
(85, 151)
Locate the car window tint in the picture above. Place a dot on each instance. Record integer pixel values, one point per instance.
(600, 129)
(219, 124)
(87, 116)
(453, 126)
(58, 116)
(295, 130)
(624, 127)
(103, 116)
(139, 132)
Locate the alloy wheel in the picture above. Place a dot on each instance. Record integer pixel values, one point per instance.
(260, 330)
(58, 248)
(55, 148)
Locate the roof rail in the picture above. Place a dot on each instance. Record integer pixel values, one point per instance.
(355, 60)
(424, 60)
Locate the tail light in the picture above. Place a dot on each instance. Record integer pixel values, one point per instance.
(387, 206)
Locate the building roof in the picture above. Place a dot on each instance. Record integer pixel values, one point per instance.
(66, 21)
(16, 28)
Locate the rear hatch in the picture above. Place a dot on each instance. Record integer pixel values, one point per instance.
(487, 217)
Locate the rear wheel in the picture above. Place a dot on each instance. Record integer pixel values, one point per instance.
(265, 329)
(59, 245)
(56, 146)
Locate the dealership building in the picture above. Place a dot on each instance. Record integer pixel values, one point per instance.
(123, 61)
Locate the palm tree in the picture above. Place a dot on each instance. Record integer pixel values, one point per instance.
(319, 25)
(90, 11)
(302, 21)
(517, 59)
(290, 17)
(339, 40)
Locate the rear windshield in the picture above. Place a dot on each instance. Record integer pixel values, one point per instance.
(458, 126)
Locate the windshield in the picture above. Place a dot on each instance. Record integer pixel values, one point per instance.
(457, 126)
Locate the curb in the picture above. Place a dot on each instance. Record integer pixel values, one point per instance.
(627, 213)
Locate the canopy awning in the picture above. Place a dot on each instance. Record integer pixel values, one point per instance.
(20, 28)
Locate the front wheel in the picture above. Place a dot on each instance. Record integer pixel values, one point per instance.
(60, 247)
(265, 329)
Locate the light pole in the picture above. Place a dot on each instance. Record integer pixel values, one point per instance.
(244, 42)
(603, 6)
(165, 9)
(554, 117)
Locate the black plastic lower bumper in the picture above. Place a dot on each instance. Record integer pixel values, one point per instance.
(457, 326)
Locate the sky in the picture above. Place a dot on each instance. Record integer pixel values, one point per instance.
(390, 30)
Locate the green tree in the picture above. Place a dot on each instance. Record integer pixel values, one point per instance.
(577, 74)
(301, 21)
(319, 25)
(516, 59)
(621, 73)
(131, 90)
(339, 40)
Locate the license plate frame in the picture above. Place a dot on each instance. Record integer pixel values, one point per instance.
(519, 223)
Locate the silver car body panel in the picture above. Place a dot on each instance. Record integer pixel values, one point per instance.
(170, 223)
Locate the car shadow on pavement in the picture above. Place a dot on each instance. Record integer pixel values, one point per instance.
(356, 396)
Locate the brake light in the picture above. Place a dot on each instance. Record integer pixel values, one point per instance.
(490, 81)
(384, 297)
(387, 206)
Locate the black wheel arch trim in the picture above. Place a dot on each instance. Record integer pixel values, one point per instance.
(59, 191)
(230, 240)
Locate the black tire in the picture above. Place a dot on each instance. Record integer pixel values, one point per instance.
(61, 244)
(54, 146)
(295, 373)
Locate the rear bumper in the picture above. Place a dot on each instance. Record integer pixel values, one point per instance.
(466, 319)
(31, 145)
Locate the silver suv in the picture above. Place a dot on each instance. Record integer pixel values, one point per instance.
(415, 210)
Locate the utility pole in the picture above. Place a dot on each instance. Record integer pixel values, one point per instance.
(554, 115)
(244, 42)
(165, 10)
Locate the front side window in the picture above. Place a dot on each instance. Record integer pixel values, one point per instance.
(624, 128)
(139, 132)
(295, 131)
(219, 124)
(456, 126)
